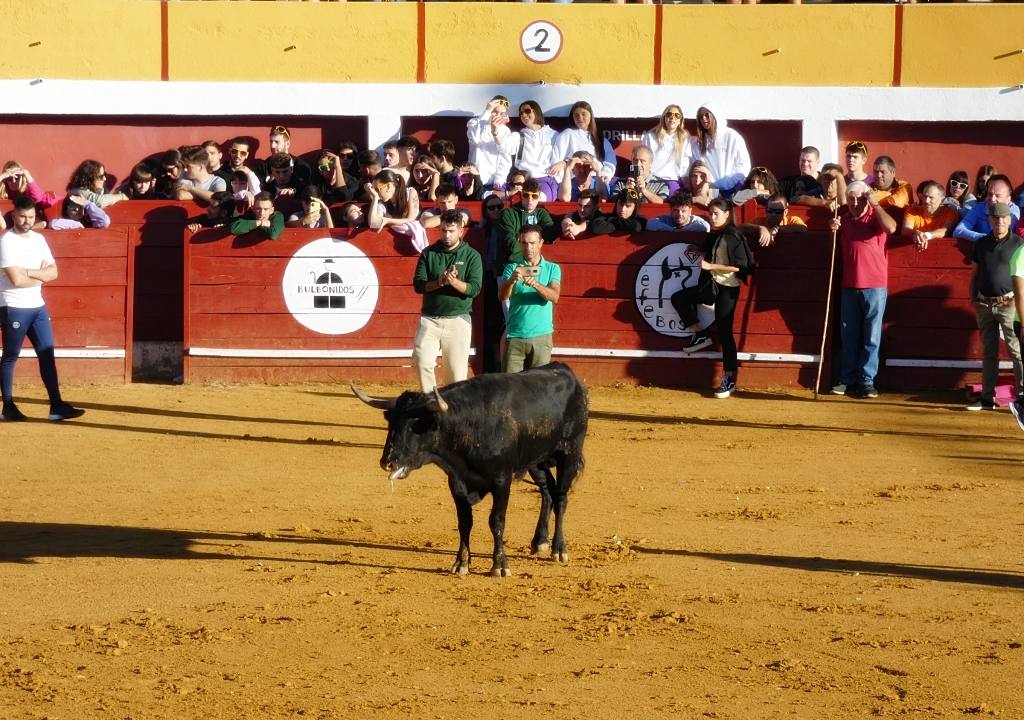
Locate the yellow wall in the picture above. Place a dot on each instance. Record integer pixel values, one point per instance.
(95, 40)
(358, 42)
(957, 47)
(728, 45)
(479, 43)
(943, 45)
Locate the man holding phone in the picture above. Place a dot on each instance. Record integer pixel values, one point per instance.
(651, 189)
(532, 287)
(449, 275)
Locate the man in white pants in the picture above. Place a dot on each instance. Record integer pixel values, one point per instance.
(449, 275)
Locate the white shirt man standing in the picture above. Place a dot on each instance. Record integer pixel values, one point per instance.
(27, 265)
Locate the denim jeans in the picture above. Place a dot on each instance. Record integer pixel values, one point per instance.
(861, 315)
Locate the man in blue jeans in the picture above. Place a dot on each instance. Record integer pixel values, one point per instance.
(27, 264)
(864, 228)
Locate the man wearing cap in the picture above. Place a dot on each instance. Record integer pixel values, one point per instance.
(993, 296)
(527, 212)
(975, 225)
(864, 228)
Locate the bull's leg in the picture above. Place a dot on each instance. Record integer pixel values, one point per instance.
(464, 511)
(569, 465)
(499, 505)
(541, 475)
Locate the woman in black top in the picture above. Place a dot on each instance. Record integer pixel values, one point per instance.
(625, 218)
(727, 262)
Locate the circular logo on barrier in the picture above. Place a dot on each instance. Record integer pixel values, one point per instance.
(330, 286)
(541, 41)
(666, 272)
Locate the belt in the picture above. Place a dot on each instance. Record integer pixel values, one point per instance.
(997, 301)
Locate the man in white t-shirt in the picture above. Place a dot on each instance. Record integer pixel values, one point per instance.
(27, 264)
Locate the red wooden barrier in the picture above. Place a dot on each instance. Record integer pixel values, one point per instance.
(90, 303)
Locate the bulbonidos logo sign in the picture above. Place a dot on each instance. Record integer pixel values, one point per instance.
(330, 287)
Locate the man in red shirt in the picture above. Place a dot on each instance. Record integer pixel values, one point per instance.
(864, 228)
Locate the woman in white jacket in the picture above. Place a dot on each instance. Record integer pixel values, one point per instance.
(722, 149)
(533, 147)
(670, 143)
(583, 135)
(489, 143)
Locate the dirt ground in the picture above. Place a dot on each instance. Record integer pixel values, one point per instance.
(236, 552)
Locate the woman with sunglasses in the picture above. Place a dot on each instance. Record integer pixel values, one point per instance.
(727, 262)
(489, 143)
(533, 147)
(958, 193)
(722, 149)
(582, 134)
(671, 145)
(89, 180)
(391, 202)
(625, 218)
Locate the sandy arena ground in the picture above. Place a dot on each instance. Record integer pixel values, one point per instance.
(234, 553)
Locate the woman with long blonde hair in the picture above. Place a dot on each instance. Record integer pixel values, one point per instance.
(671, 145)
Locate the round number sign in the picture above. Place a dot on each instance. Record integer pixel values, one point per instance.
(541, 41)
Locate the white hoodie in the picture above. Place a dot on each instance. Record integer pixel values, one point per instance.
(665, 166)
(533, 150)
(727, 157)
(493, 159)
(572, 139)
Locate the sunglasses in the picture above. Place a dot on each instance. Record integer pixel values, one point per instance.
(494, 208)
(775, 210)
(673, 115)
(857, 146)
(280, 130)
(324, 167)
(958, 185)
(503, 102)
(346, 157)
(526, 111)
(239, 153)
(531, 194)
(760, 169)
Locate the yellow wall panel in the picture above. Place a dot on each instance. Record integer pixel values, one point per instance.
(109, 40)
(950, 46)
(479, 43)
(300, 42)
(818, 45)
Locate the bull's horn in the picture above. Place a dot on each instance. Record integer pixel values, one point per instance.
(379, 403)
(442, 406)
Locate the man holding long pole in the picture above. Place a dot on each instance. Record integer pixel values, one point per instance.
(864, 229)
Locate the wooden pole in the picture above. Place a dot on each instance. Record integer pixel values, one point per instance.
(828, 306)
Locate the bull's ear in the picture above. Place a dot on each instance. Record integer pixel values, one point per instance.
(437, 403)
(379, 403)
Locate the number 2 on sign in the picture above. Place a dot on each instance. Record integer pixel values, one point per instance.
(541, 41)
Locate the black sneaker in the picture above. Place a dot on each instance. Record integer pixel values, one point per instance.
(981, 405)
(839, 389)
(63, 411)
(867, 391)
(727, 388)
(1017, 408)
(697, 341)
(11, 413)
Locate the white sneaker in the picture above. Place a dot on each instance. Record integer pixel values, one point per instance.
(1017, 408)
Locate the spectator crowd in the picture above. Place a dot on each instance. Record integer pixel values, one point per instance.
(517, 164)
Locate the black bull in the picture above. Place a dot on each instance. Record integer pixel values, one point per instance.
(483, 432)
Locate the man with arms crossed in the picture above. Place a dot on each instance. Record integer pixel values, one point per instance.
(532, 288)
(449, 275)
(27, 264)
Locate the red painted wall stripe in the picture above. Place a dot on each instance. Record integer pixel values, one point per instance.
(421, 42)
(897, 48)
(658, 14)
(165, 61)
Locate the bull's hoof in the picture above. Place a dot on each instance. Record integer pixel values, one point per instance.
(460, 568)
(562, 558)
(540, 548)
(498, 571)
